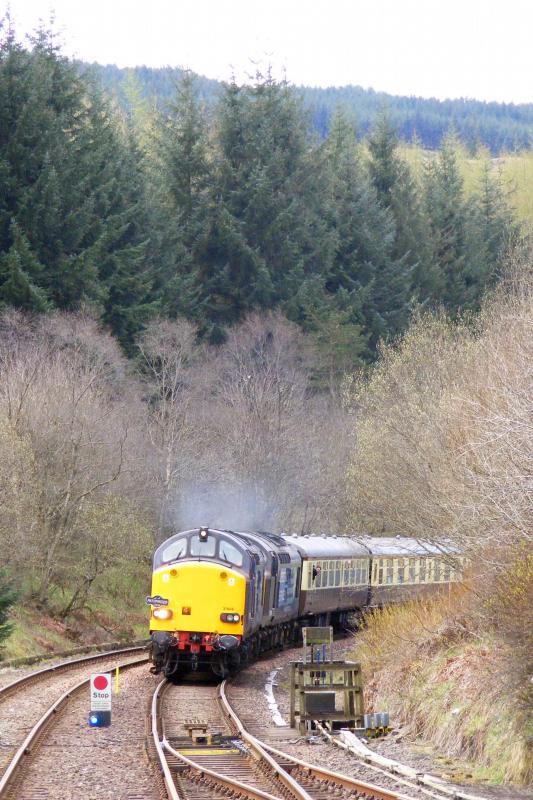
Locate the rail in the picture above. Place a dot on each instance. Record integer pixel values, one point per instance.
(64, 666)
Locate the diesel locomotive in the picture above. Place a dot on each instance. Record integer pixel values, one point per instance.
(220, 598)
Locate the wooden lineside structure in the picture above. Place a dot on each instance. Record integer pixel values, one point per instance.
(316, 681)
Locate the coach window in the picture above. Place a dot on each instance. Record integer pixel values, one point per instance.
(412, 570)
(437, 570)
(401, 570)
(380, 571)
(374, 579)
(228, 552)
(447, 572)
(422, 570)
(389, 571)
(319, 578)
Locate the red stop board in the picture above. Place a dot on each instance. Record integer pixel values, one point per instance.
(100, 688)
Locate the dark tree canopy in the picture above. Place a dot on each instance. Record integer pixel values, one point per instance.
(212, 211)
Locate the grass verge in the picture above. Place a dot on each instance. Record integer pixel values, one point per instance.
(446, 682)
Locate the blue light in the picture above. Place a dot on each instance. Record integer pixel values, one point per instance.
(100, 719)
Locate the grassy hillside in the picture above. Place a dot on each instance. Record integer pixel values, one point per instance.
(453, 687)
(514, 169)
(115, 612)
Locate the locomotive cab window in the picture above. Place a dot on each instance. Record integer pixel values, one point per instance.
(228, 552)
(203, 547)
(174, 551)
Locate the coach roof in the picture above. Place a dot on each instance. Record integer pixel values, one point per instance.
(402, 546)
(327, 546)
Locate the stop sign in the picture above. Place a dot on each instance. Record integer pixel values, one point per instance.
(101, 692)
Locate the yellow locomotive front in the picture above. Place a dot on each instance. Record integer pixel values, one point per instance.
(197, 616)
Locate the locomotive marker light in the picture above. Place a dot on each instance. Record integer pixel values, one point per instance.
(100, 690)
(203, 534)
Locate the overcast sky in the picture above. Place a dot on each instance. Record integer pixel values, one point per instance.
(431, 48)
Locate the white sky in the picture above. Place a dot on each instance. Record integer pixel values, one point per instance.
(431, 48)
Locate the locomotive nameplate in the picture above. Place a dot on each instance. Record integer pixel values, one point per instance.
(156, 600)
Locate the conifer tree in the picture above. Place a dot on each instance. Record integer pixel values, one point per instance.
(364, 264)
(448, 211)
(71, 189)
(19, 272)
(397, 190)
(229, 279)
(267, 181)
(492, 228)
(126, 265)
(181, 176)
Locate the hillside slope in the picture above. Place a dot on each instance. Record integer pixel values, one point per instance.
(501, 127)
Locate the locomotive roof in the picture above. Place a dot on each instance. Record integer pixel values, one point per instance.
(326, 546)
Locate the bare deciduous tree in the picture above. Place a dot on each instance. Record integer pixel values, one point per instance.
(68, 431)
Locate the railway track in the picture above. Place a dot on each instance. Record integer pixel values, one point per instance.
(223, 758)
(46, 697)
(200, 746)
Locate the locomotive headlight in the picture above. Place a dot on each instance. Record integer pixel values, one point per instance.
(162, 613)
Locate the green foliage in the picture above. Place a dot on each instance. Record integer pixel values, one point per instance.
(212, 213)
(71, 215)
(8, 597)
(19, 271)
